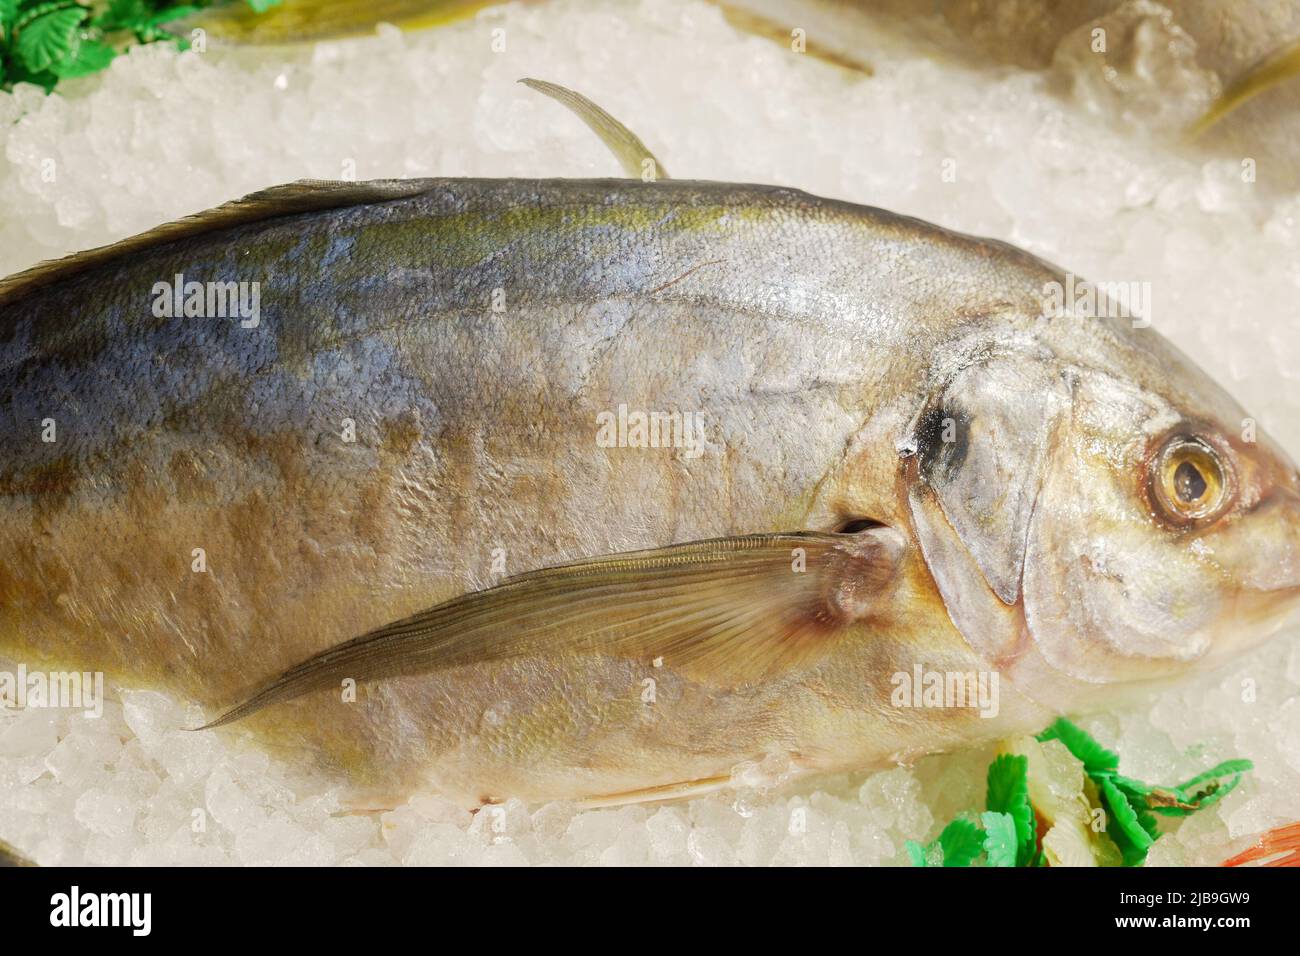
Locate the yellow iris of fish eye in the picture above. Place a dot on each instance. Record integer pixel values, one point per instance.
(1191, 481)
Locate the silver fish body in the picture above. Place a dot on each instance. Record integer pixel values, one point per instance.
(437, 391)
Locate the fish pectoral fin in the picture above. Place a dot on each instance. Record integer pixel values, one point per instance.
(724, 611)
(626, 146)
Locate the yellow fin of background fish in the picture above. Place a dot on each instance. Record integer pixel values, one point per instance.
(1278, 67)
(297, 21)
(762, 25)
(724, 611)
(11, 857)
(626, 146)
(304, 195)
(293, 21)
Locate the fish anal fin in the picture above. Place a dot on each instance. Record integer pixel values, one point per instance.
(662, 793)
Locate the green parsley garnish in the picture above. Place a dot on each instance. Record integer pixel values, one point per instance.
(44, 41)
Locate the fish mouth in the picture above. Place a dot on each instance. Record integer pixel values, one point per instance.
(1250, 617)
(1270, 608)
(1268, 598)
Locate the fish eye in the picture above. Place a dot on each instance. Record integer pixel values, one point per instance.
(1191, 481)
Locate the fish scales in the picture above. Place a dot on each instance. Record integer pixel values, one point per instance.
(415, 415)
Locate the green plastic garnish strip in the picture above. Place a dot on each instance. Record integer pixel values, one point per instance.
(1006, 833)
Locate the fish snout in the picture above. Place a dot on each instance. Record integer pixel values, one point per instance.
(1261, 563)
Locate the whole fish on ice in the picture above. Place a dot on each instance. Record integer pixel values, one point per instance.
(601, 489)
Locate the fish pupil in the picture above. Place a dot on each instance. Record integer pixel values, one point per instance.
(1189, 483)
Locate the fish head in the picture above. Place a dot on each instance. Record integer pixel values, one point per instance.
(1103, 516)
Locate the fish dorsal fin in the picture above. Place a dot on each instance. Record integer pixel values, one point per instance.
(305, 195)
(308, 195)
(637, 161)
